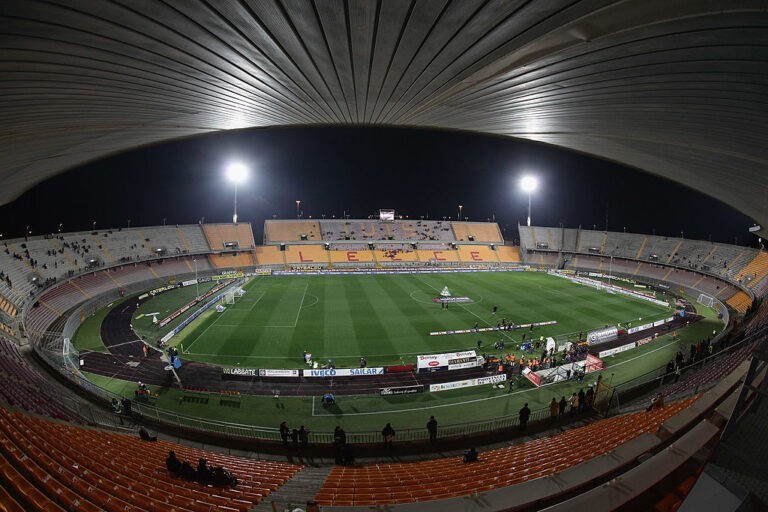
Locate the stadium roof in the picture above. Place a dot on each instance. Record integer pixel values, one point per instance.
(674, 88)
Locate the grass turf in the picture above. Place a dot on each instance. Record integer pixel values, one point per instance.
(387, 318)
(408, 314)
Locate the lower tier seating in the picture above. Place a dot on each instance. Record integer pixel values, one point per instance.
(386, 484)
(80, 469)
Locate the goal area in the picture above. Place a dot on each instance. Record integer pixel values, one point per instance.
(706, 300)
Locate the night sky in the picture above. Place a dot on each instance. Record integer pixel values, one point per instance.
(356, 171)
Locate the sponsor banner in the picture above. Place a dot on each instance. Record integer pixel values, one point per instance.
(242, 372)
(401, 368)
(189, 283)
(279, 372)
(602, 335)
(401, 390)
(658, 323)
(451, 300)
(448, 361)
(643, 327)
(342, 372)
(647, 296)
(191, 303)
(665, 286)
(592, 364)
(230, 275)
(616, 350)
(260, 272)
(490, 329)
(645, 341)
(532, 376)
(481, 381)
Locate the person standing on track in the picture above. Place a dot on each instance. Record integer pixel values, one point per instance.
(432, 429)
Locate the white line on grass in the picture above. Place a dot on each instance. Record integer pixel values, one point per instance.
(453, 404)
(503, 333)
(301, 304)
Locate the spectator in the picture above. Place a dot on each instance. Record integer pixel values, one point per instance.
(525, 413)
(172, 463)
(303, 436)
(562, 404)
(582, 400)
(554, 408)
(204, 472)
(349, 454)
(470, 455)
(388, 433)
(145, 436)
(284, 432)
(574, 405)
(117, 408)
(432, 429)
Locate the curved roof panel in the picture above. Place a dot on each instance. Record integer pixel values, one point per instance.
(675, 88)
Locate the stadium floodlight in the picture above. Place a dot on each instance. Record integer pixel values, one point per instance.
(529, 184)
(236, 173)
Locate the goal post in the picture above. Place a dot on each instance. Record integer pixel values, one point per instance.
(229, 297)
(706, 300)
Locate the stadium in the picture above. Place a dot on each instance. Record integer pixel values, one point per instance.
(283, 360)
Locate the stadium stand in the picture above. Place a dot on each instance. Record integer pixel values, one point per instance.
(476, 232)
(232, 260)
(270, 255)
(292, 230)
(122, 472)
(508, 254)
(439, 256)
(389, 484)
(740, 302)
(352, 258)
(388, 257)
(755, 270)
(21, 384)
(477, 254)
(229, 236)
(306, 254)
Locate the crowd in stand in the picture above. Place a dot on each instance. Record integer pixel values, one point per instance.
(204, 473)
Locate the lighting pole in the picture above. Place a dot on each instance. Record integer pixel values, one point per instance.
(298, 205)
(529, 184)
(236, 173)
(460, 207)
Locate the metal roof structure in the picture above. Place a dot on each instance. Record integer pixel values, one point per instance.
(675, 88)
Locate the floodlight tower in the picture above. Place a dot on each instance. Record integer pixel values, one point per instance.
(236, 173)
(529, 184)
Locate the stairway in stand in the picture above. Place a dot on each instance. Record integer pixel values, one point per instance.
(296, 491)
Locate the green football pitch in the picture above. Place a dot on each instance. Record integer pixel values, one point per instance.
(387, 318)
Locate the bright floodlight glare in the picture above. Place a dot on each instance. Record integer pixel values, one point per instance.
(237, 172)
(528, 183)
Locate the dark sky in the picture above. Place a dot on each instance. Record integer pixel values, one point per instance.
(359, 170)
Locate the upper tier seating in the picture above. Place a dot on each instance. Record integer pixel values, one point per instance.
(740, 302)
(375, 230)
(386, 484)
(756, 270)
(221, 236)
(476, 232)
(87, 470)
(292, 230)
(35, 262)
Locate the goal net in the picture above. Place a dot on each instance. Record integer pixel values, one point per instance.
(232, 294)
(706, 300)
